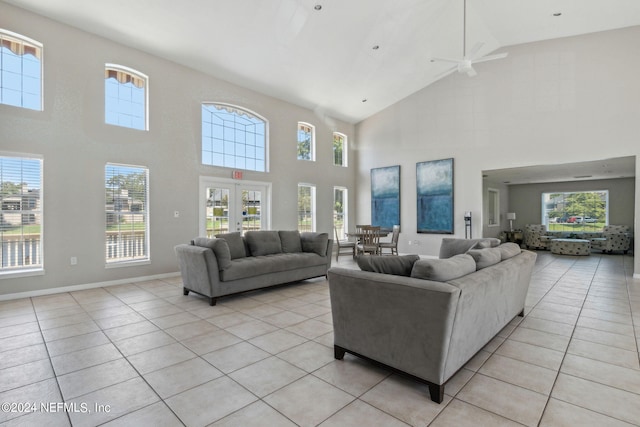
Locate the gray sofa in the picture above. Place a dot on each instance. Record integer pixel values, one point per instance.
(232, 263)
(431, 316)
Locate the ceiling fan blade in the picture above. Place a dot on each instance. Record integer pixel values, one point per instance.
(454, 61)
(474, 51)
(490, 57)
(471, 72)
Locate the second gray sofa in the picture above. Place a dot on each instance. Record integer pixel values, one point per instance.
(431, 316)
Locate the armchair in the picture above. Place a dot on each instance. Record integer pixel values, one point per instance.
(534, 236)
(616, 238)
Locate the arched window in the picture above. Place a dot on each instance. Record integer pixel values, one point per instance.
(339, 149)
(233, 137)
(306, 142)
(20, 71)
(125, 97)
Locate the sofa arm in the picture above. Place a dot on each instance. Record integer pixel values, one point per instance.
(400, 321)
(199, 269)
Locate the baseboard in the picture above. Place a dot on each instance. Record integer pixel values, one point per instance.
(50, 291)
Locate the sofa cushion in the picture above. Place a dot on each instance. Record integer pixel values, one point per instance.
(442, 270)
(453, 246)
(485, 257)
(509, 250)
(220, 249)
(243, 268)
(290, 241)
(314, 242)
(235, 243)
(263, 242)
(396, 265)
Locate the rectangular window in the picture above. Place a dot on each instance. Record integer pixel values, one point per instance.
(306, 207)
(20, 71)
(576, 211)
(127, 213)
(21, 214)
(339, 149)
(306, 142)
(125, 97)
(340, 211)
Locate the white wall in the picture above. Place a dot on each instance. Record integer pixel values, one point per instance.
(559, 101)
(75, 143)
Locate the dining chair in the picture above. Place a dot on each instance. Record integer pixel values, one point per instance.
(344, 245)
(369, 240)
(393, 244)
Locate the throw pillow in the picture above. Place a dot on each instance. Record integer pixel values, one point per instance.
(290, 241)
(485, 257)
(314, 242)
(443, 270)
(236, 244)
(219, 247)
(451, 246)
(509, 250)
(396, 265)
(263, 242)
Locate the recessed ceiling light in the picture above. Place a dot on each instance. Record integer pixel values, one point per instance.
(364, 100)
(557, 14)
(318, 7)
(376, 47)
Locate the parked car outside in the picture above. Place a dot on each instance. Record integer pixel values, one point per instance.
(588, 219)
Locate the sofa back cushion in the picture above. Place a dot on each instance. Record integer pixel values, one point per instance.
(290, 241)
(235, 243)
(220, 249)
(314, 242)
(396, 265)
(452, 246)
(485, 257)
(509, 250)
(443, 270)
(263, 242)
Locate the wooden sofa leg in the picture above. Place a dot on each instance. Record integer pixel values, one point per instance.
(437, 392)
(521, 314)
(338, 352)
(185, 291)
(213, 301)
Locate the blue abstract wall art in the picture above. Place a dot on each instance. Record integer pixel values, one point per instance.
(434, 181)
(385, 197)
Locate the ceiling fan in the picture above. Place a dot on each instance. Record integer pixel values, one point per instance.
(465, 65)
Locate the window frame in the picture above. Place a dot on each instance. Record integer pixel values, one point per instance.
(342, 233)
(312, 141)
(344, 157)
(135, 74)
(238, 111)
(31, 269)
(115, 262)
(580, 229)
(311, 207)
(39, 47)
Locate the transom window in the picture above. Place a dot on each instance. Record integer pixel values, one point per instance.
(20, 214)
(20, 71)
(339, 149)
(306, 141)
(125, 100)
(306, 207)
(576, 211)
(127, 213)
(233, 137)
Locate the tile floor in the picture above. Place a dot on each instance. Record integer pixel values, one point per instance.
(142, 354)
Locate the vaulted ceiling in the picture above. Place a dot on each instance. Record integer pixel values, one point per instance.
(345, 59)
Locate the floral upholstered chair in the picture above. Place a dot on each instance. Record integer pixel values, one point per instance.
(617, 238)
(535, 236)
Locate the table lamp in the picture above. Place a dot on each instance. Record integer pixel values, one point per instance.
(511, 216)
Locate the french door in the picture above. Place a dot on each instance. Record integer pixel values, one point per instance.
(232, 205)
